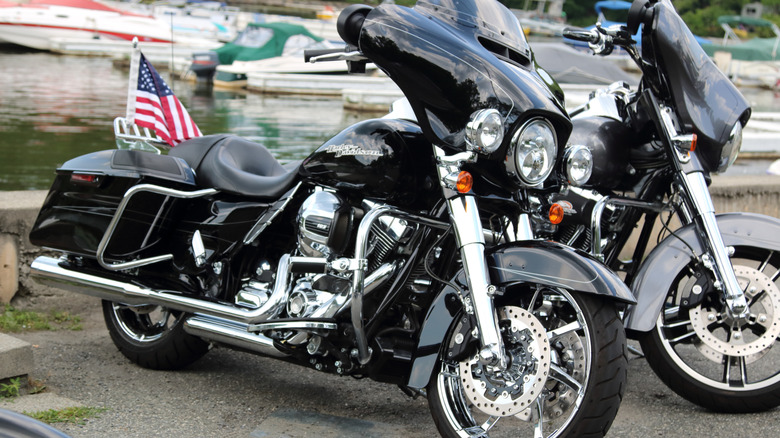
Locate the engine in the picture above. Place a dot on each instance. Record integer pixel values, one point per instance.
(326, 224)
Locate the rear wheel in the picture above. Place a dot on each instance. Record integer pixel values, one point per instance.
(566, 377)
(721, 363)
(152, 336)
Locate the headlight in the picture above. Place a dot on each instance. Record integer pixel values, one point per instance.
(579, 165)
(731, 149)
(532, 152)
(485, 131)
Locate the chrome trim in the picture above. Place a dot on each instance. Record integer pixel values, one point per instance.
(198, 250)
(268, 217)
(230, 333)
(595, 227)
(118, 214)
(355, 295)
(474, 129)
(603, 105)
(696, 188)
(131, 132)
(292, 325)
(515, 168)
(525, 230)
(467, 226)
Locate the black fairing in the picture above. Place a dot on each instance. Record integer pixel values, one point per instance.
(452, 58)
(707, 101)
(379, 158)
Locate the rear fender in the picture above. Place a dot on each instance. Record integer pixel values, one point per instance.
(546, 263)
(661, 266)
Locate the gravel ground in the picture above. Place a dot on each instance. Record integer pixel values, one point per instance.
(235, 394)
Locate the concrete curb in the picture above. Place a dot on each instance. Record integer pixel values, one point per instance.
(16, 357)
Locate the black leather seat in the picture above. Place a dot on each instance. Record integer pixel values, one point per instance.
(233, 164)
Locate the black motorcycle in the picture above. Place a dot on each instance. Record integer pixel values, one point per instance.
(708, 311)
(384, 254)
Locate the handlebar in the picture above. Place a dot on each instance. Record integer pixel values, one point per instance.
(308, 54)
(601, 40)
(578, 34)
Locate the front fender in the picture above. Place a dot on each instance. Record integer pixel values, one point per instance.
(546, 263)
(655, 276)
(555, 265)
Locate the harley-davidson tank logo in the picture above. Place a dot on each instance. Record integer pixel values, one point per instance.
(567, 207)
(351, 149)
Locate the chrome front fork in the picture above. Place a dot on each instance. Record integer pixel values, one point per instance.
(716, 257)
(469, 236)
(695, 187)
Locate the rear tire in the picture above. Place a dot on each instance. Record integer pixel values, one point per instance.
(151, 336)
(588, 351)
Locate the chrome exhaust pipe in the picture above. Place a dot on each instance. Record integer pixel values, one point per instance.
(229, 333)
(48, 271)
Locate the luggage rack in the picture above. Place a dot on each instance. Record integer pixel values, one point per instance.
(133, 134)
(168, 193)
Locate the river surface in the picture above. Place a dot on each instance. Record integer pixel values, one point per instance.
(53, 108)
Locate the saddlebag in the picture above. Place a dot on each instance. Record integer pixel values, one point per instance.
(85, 196)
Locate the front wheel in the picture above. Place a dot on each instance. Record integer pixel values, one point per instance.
(721, 363)
(152, 336)
(566, 376)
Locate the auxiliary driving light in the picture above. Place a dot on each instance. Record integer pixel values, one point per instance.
(485, 131)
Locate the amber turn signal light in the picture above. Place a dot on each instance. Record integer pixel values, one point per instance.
(465, 182)
(555, 214)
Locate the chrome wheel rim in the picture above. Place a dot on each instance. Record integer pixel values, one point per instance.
(721, 352)
(563, 376)
(143, 324)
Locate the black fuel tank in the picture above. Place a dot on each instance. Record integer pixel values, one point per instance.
(377, 158)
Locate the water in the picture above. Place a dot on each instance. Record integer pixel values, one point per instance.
(54, 108)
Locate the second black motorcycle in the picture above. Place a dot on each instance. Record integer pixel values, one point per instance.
(708, 311)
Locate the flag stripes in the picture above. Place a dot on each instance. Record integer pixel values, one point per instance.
(157, 108)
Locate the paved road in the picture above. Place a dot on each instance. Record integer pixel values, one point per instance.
(234, 394)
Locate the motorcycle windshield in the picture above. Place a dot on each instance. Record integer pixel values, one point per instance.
(707, 101)
(452, 58)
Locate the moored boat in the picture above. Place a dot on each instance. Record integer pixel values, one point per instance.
(257, 41)
(753, 62)
(37, 23)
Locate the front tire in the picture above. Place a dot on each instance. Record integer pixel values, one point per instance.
(152, 336)
(710, 359)
(566, 379)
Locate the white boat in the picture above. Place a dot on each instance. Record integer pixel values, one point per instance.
(37, 23)
(236, 74)
(198, 18)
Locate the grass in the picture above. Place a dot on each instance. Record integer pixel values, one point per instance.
(13, 320)
(76, 415)
(10, 389)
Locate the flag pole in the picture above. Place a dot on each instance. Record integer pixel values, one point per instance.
(135, 57)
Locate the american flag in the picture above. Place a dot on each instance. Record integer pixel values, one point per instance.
(157, 108)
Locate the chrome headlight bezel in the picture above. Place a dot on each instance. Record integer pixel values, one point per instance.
(731, 149)
(536, 141)
(578, 161)
(485, 131)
